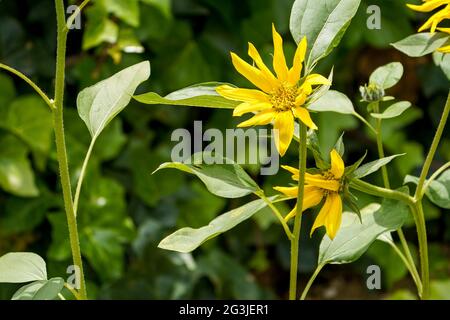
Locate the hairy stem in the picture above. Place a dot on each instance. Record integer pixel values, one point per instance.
(298, 217)
(61, 144)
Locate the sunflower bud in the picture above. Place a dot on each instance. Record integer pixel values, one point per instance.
(372, 92)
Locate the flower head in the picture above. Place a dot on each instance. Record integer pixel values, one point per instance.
(280, 97)
(433, 22)
(326, 185)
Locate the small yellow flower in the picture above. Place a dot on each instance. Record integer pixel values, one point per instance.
(280, 98)
(318, 186)
(433, 22)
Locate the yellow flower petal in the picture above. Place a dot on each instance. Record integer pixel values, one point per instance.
(435, 19)
(312, 198)
(250, 107)
(445, 49)
(288, 191)
(428, 6)
(279, 61)
(322, 216)
(320, 181)
(262, 118)
(337, 164)
(294, 171)
(254, 54)
(334, 217)
(284, 123)
(296, 70)
(253, 74)
(238, 94)
(304, 116)
(446, 30)
(317, 79)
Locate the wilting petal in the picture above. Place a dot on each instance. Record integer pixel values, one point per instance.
(253, 74)
(428, 5)
(279, 61)
(296, 70)
(337, 165)
(320, 181)
(250, 107)
(254, 54)
(304, 116)
(334, 216)
(238, 94)
(262, 118)
(284, 123)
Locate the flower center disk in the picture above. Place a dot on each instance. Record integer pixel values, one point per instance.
(283, 98)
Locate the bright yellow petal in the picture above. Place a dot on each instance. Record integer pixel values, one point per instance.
(294, 171)
(253, 74)
(296, 70)
(445, 49)
(311, 198)
(334, 216)
(317, 79)
(320, 181)
(322, 216)
(254, 54)
(245, 95)
(435, 19)
(288, 191)
(284, 123)
(337, 165)
(428, 5)
(246, 107)
(279, 61)
(262, 118)
(446, 30)
(304, 116)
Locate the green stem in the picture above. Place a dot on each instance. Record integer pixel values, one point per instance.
(423, 249)
(81, 177)
(411, 264)
(433, 148)
(298, 217)
(379, 138)
(61, 145)
(74, 15)
(31, 83)
(381, 192)
(412, 271)
(277, 214)
(311, 280)
(360, 117)
(433, 177)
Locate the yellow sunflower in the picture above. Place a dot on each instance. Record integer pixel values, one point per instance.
(434, 20)
(317, 187)
(280, 98)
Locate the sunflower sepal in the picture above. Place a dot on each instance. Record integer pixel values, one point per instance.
(351, 201)
(350, 169)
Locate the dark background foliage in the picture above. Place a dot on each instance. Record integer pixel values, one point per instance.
(125, 210)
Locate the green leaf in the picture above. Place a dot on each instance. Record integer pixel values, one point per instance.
(438, 191)
(126, 10)
(373, 166)
(223, 180)
(333, 101)
(393, 110)
(188, 239)
(354, 237)
(421, 44)
(388, 75)
(99, 104)
(16, 175)
(18, 267)
(29, 118)
(339, 146)
(323, 23)
(8, 91)
(40, 290)
(199, 95)
(442, 60)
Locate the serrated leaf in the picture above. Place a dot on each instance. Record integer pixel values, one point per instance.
(373, 166)
(19, 267)
(388, 75)
(188, 239)
(223, 180)
(438, 191)
(199, 95)
(40, 290)
(393, 110)
(354, 238)
(99, 104)
(323, 23)
(421, 44)
(333, 101)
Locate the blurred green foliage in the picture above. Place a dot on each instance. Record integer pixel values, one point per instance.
(125, 211)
